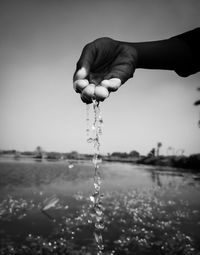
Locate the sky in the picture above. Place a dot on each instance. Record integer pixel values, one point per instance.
(40, 43)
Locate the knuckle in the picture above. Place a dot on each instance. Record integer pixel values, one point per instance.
(87, 46)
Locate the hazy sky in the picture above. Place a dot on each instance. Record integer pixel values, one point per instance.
(40, 43)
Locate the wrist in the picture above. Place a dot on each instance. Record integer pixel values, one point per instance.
(133, 51)
(155, 55)
(170, 54)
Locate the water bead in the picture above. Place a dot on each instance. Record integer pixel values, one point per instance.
(70, 166)
(100, 120)
(97, 183)
(92, 199)
(49, 203)
(99, 253)
(98, 211)
(97, 187)
(97, 179)
(99, 222)
(101, 247)
(98, 237)
(90, 140)
(96, 160)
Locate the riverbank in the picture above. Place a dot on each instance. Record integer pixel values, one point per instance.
(191, 162)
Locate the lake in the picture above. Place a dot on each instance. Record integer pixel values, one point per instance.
(45, 208)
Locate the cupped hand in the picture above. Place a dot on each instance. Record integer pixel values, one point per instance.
(104, 65)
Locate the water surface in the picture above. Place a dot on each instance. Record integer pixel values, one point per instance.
(45, 208)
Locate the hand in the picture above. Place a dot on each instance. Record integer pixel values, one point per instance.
(104, 65)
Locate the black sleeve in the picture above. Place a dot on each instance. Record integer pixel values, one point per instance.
(192, 39)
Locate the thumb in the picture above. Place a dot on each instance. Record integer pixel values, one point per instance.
(85, 62)
(81, 74)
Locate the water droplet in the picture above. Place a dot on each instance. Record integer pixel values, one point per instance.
(99, 225)
(49, 203)
(101, 247)
(97, 179)
(99, 218)
(98, 237)
(90, 140)
(99, 253)
(98, 211)
(92, 199)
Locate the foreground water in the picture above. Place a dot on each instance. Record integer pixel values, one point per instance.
(45, 209)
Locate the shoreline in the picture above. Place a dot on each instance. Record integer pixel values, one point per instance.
(191, 163)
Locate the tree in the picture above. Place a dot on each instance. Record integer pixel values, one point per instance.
(159, 145)
(151, 154)
(119, 154)
(134, 154)
(73, 155)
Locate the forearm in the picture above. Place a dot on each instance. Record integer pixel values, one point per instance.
(169, 54)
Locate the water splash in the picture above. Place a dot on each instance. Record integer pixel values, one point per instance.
(49, 203)
(96, 197)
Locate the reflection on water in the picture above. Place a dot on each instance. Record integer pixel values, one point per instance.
(45, 209)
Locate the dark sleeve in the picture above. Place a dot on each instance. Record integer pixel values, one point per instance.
(192, 39)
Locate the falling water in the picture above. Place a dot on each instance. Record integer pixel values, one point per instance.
(96, 197)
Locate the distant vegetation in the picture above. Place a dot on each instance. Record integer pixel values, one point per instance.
(153, 157)
(190, 162)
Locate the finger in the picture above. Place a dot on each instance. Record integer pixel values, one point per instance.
(80, 74)
(101, 93)
(112, 84)
(79, 85)
(86, 59)
(88, 92)
(86, 100)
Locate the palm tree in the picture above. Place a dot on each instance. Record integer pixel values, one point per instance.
(159, 145)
